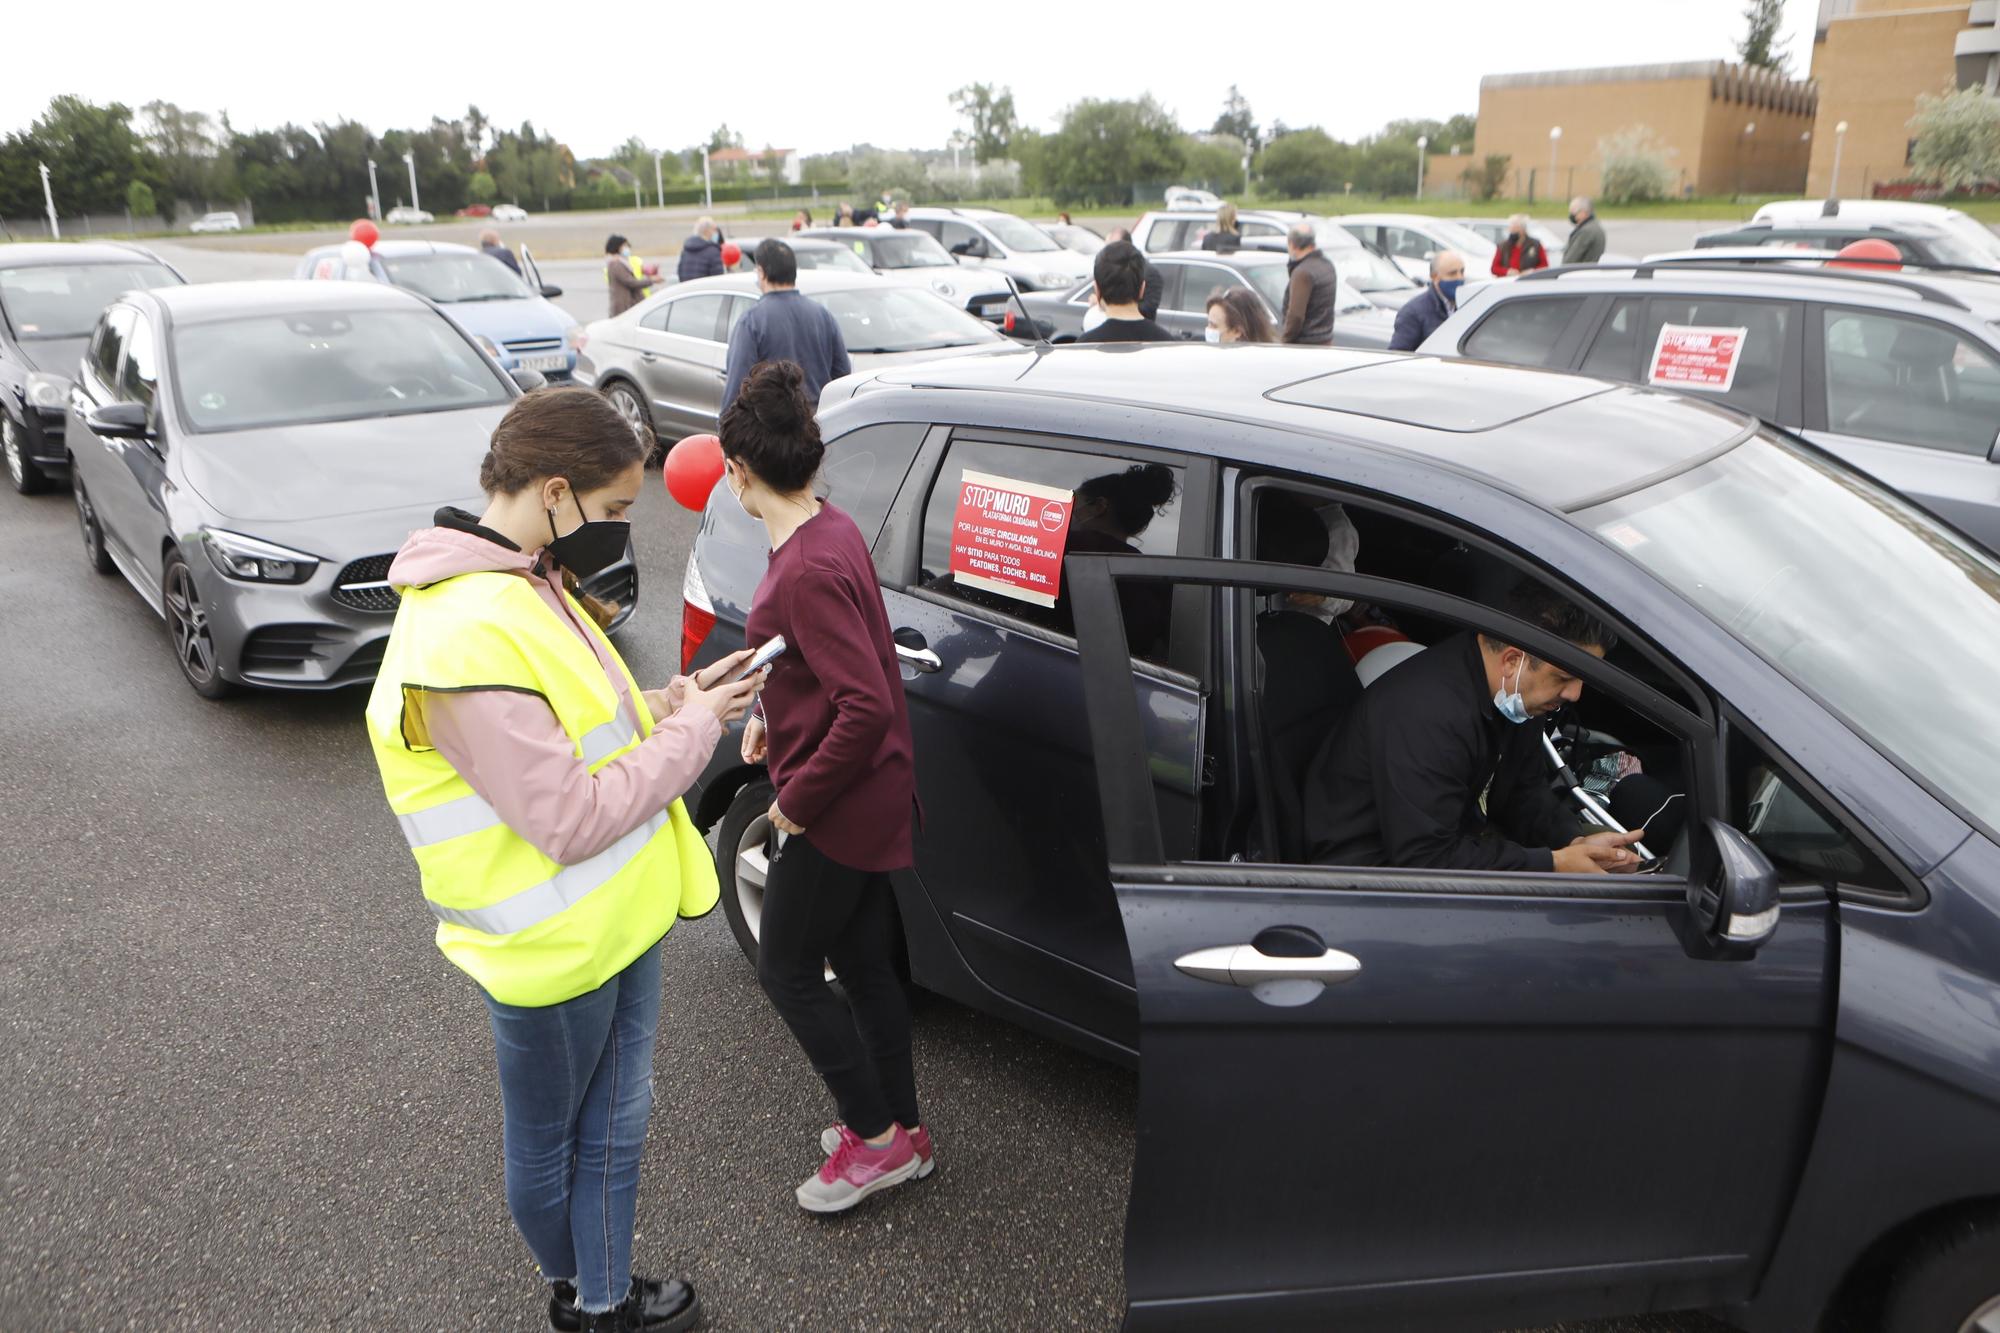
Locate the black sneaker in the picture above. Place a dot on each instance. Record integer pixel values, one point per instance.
(651, 1306)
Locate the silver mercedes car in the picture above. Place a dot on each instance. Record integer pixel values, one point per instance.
(662, 362)
(250, 455)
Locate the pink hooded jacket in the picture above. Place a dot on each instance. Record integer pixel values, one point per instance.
(510, 747)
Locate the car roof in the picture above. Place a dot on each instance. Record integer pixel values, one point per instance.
(204, 302)
(1243, 258)
(1567, 441)
(807, 240)
(838, 237)
(1916, 226)
(39, 254)
(810, 280)
(1805, 281)
(394, 249)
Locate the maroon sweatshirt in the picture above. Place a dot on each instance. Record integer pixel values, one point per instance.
(837, 724)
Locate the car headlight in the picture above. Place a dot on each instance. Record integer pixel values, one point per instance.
(943, 288)
(487, 345)
(253, 561)
(577, 338)
(1056, 281)
(48, 392)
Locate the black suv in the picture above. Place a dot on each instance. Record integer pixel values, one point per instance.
(1763, 1081)
(50, 298)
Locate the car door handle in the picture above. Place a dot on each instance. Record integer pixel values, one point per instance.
(649, 357)
(1247, 965)
(923, 659)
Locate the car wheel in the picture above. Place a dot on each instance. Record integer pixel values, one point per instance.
(21, 470)
(93, 531)
(1951, 1285)
(630, 406)
(187, 623)
(743, 845)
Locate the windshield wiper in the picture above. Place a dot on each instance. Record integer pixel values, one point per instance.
(486, 296)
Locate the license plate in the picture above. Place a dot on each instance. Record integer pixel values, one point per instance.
(553, 361)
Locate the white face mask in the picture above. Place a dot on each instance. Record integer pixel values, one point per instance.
(1510, 703)
(1212, 334)
(738, 493)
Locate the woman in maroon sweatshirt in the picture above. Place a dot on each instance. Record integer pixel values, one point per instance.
(836, 734)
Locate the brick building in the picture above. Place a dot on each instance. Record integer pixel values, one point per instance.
(1870, 60)
(1727, 129)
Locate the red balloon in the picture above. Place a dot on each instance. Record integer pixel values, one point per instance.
(692, 468)
(1869, 252)
(364, 231)
(732, 254)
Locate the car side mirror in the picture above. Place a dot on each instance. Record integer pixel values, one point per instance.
(1738, 912)
(551, 291)
(529, 380)
(1993, 454)
(120, 421)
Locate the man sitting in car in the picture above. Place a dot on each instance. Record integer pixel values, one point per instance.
(1439, 766)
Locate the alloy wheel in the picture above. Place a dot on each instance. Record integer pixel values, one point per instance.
(753, 873)
(1986, 1319)
(634, 413)
(192, 641)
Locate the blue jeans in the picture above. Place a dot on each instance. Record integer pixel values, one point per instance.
(576, 1080)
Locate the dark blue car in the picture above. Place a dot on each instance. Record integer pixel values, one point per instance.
(1763, 1080)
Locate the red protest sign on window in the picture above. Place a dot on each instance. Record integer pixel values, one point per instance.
(1691, 356)
(1008, 537)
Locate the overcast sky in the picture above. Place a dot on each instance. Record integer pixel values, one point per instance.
(820, 77)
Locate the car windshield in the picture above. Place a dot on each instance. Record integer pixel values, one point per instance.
(1948, 247)
(908, 249)
(1080, 239)
(1974, 235)
(1270, 280)
(452, 279)
(64, 300)
(1461, 238)
(1359, 266)
(295, 368)
(1015, 234)
(833, 258)
(1884, 614)
(902, 319)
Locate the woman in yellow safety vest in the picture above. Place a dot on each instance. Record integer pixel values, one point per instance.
(539, 788)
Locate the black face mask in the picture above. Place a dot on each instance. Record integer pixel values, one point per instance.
(595, 546)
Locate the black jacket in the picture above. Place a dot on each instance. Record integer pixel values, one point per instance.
(1156, 287)
(1419, 319)
(503, 254)
(1425, 773)
(1311, 294)
(701, 257)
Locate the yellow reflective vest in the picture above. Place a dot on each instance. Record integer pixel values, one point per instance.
(529, 930)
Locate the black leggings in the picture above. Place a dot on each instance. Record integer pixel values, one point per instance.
(817, 911)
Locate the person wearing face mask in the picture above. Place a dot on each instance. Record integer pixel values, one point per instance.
(539, 788)
(626, 279)
(835, 732)
(1520, 252)
(1586, 241)
(1237, 316)
(1421, 314)
(1440, 765)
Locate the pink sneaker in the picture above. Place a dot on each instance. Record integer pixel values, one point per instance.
(856, 1171)
(920, 1143)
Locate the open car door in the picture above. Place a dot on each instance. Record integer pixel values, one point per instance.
(531, 273)
(1416, 1099)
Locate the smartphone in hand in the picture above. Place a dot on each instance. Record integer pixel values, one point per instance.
(763, 657)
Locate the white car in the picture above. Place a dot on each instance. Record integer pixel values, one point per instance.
(1367, 271)
(509, 213)
(405, 216)
(1186, 196)
(217, 222)
(1411, 239)
(986, 238)
(1888, 212)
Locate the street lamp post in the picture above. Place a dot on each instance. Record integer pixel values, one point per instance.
(1423, 143)
(1555, 138)
(1748, 130)
(374, 190)
(707, 187)
(659, 182)
(411, 159)
(1839, 141)
(49, 198)
(957, 144)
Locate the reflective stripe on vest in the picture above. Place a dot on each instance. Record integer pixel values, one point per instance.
(562, 891)
(471, 814)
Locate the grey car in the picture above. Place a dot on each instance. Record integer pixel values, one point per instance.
(663, 362)
(251, 455)
(914, 258)
(1192, 276)
(1896, 373)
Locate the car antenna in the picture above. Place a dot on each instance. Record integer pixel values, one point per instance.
(1042, 343)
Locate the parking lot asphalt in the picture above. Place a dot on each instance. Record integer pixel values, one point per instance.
(241, 1089)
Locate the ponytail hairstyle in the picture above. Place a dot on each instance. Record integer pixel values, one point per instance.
(572, 433)
(771, 428)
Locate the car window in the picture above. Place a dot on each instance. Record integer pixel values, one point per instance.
(139, 380)
(1523, 333)
(865, 468)
(1614, 353)
(1198, 283)
(1406, 244)
(64, 300)
(1066, 502)
(1803, 842)
(656, 318)
(109, 344)
(1250, 229)
(1889, 377)
(1169, 234)
(1748, 378)
(958, 237)
(695, 316)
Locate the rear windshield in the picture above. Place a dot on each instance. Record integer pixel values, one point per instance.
(291, 369)
(64, 300)
(902, 319)
(452, 279)
(910, 249)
